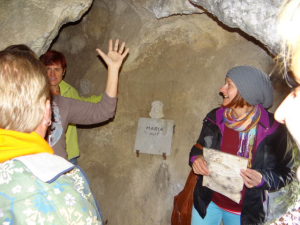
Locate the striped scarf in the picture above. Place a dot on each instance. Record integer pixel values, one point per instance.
(246, 126)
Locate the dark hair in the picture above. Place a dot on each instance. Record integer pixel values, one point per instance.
(19, 47)
(237, 101)
(54, 57)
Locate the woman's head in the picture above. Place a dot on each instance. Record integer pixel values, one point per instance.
(247, 85)
(19, 47)
(288, 26)
(55, 63)
(288, 111)
(24, 89)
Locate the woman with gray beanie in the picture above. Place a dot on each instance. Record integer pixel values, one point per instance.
(242, 126)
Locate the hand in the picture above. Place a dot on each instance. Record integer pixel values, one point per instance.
(199, 166)
(115, 56)
(252, 178)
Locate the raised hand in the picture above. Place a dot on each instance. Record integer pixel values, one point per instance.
(114, 60)
(115, 55)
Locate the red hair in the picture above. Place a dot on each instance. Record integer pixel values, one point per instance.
(237, 101)
(54, 57)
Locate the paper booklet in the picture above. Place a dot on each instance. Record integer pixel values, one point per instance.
(225, 172)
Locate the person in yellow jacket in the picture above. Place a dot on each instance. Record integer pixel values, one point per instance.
(55, 63)
(35, 185)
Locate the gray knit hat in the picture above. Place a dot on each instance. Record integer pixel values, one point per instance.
(253, 84)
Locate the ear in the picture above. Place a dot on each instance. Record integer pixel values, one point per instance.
(47, 113)
(43, 126)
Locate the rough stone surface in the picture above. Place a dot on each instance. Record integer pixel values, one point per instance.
(36, 23)
(255, 17)
(85, 87)
(181, 61)
(165, 8)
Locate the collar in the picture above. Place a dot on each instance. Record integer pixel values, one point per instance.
(46, 167)
(14, 144)
(219, 115)
(64, 88)
(264, 117)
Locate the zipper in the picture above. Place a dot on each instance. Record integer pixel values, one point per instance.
(66, 92)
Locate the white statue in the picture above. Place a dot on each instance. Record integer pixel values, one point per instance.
(157, 110)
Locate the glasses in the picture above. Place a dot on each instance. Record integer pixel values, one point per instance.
(289, 79)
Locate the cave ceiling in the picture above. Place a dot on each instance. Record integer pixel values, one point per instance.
(37, 23)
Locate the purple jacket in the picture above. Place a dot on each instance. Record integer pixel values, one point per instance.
(273, 158)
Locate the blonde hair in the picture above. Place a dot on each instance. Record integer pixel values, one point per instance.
(288, 26)
(24, 89)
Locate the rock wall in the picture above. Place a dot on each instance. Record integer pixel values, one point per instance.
(180, 59)
(36, 23)
(254, 17)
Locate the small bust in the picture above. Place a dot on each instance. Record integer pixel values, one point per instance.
(157, 110)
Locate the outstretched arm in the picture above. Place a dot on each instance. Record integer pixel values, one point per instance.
(114, 60)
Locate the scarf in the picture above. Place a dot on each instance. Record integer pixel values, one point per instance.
(246, 125)
(14, 144)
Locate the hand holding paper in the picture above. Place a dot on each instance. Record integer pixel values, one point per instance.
(199, 166)
(252, 178)
(225, 172)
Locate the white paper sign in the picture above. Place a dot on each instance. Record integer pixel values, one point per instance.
(154, 136)
(225, 172)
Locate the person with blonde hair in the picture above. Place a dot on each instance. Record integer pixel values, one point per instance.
(35, 185)
(289, 110)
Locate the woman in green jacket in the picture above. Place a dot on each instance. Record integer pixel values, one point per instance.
(55, 63)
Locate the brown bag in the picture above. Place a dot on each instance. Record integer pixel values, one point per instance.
(183, 202)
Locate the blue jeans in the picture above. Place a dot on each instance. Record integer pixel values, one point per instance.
(74, 161)
(214, 216)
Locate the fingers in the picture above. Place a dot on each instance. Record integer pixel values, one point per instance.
(252, 178)
(116, 48)
(246, 179)
(199, 166)
(116, 45)
(115, 55)
(110, 45)
(100, 53)
(126, 52)
(122, 47)
(248, 185)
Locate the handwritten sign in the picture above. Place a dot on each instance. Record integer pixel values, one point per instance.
(154, 136)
